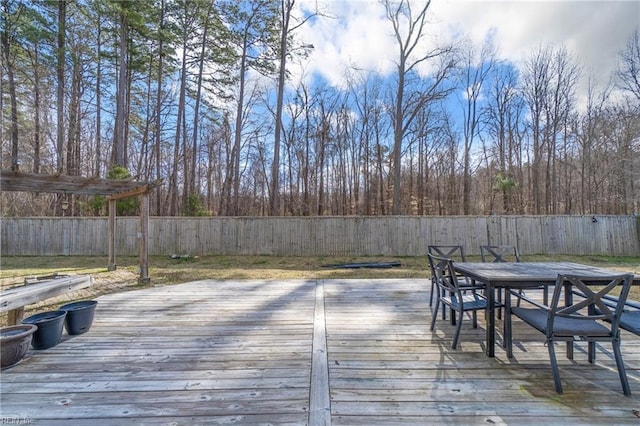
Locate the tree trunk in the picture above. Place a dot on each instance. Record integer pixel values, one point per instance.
(157, 148)
(173, 205)
(233, 177)
(287, 5)
(190, 188)
(37, 112)
(119, 132)
(98, 101)
(60, 54)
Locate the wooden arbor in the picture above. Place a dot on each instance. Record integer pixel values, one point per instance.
(113, 189)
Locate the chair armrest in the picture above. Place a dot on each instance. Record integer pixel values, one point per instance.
(522, 296)
(612, 301)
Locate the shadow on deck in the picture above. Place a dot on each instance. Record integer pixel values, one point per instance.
(242, 352)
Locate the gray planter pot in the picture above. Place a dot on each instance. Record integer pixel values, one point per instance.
(79, 316)
(14, 343)
(50, 325)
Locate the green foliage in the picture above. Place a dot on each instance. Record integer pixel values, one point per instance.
(254, 27)
(194, 206)
(126, 206)
(504, 183)
(118, 172)
(96, 205)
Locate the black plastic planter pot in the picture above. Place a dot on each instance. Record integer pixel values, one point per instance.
(50, 325)
(14, 343)
(79, 316)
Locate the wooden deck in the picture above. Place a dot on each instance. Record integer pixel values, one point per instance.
(341, 352)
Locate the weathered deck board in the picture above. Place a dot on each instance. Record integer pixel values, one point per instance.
(223, 351)
(303, 352)
(387, 367)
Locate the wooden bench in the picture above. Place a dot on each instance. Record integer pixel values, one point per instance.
(14, 300)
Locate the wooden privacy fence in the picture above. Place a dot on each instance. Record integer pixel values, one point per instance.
(323, 236)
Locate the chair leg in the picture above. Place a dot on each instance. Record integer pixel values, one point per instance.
(436, 297)
(433, 286)
(554, 366)
(508, 338)
(621, 370)
(434, 315)
(591, 351)
(569, 350)
(444, 307)
(458, 328)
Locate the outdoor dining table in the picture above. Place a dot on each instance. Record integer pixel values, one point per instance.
(523, 275)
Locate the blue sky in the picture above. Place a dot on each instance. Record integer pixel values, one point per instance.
(359, 35)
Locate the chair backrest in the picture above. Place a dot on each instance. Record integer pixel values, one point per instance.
(443, 274)
(499, 254)
(455, 253)
(593, 304)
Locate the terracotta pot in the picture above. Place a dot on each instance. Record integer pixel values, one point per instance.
(14, 343)
(79, 316)
(50, 325)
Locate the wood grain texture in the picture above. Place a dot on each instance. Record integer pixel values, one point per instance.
(320, 236)
(251, 352)
(13, 300)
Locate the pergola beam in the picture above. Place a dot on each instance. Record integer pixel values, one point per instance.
(129, 193)
(113, 189)
(63, 184)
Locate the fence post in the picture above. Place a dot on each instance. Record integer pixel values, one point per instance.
(111, 235)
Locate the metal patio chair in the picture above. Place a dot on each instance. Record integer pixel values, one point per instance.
(453, 252)
(630, 318)
(490, 253)
(459, 299)
(590, 319)
(504, 253)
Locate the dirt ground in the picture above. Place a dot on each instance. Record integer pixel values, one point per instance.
(15, 271)
(167, 271)
(103, 283)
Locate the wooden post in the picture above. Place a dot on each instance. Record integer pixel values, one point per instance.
(15, 316)
(111, 235)
(143, 240)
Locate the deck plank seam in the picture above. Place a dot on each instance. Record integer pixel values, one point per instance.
(319, 398)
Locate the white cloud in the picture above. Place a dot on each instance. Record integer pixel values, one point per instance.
(360, 36)
(356, 34)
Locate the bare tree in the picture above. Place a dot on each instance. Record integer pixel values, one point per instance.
(60, 55)
(536, 81)
(475, 72)
(98, 91)
(157, 150)
(326, 104)
(180, 130)
(504, 119)
(253, 30)
(629, 66)
(558, 112)
(288, 25)
(408, 104)
(118, 153)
